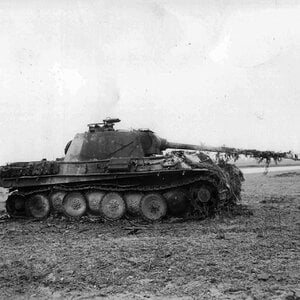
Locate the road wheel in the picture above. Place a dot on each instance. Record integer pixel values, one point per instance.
(15, 205)
(112, 206)
(74, 205)
(38, 206)
(133, 203)
(93, 201)
(177, 202)
(153, 207)
(56, 200)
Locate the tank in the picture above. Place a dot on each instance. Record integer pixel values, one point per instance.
(112, 173)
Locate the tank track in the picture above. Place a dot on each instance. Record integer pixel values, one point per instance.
(196, 209)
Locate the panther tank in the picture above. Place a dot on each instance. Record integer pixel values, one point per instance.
(112, 173)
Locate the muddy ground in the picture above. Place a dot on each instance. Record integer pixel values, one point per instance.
(251, 254)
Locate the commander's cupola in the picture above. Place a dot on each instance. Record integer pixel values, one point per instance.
(106, 125)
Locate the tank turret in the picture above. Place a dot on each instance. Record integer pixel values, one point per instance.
(102, 141)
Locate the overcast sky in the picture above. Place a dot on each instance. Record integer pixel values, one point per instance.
(216, 72)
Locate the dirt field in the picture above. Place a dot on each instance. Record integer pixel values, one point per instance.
(253, 254)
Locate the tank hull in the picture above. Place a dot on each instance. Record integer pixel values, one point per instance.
(146, 175)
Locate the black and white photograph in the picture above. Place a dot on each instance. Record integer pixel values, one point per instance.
(150, 149)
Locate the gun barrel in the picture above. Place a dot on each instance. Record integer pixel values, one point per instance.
(172, 145)
(232, 151)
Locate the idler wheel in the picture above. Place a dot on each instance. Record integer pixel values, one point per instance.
(133, 203)
(153, 207)
(204, 194)
(15, 205)
(177, 202)
(202, 200)
(74, 205)
(93, 201)
(112, 206)
(38, 206)
(56, 200)
(201, 194)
